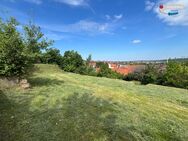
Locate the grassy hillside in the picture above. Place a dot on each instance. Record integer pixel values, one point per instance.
(69, 107)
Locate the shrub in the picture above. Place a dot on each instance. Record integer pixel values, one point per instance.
(133, 76)
(52, 56)
(71, 61)
(177, 74)
(150, 74)
(86, 70)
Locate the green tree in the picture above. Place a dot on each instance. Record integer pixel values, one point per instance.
(177, 74)
(18, 51)
(150, 74)
(71, 61)
(35, 41)
(52, 56)
(104, 70)
(89, 59)
(14, 60)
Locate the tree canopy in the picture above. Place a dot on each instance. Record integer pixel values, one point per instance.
(52, 56)
(19, 49)
(71, 61)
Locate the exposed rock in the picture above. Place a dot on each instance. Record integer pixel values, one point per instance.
(23, 81)
(24, 84)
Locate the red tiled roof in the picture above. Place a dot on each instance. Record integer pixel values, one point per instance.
(128, 69)
(121, 70)
(125, 70)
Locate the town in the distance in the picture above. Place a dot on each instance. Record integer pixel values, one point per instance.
(130, 67)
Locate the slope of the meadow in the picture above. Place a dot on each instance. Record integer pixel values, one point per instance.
(63, 106)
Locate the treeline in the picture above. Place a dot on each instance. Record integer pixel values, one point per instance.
(175, 74)
(72, 61)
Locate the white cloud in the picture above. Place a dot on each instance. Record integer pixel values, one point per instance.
(69, 2)
(34, 1)
(114, 17)
(85, 27)
(149, 5)
(74, 2)
(118, 17)
(89, 27)
(136, 41)
(82, 27)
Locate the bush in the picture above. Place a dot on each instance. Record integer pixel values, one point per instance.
(86, 70)
(133, 76)
(150, 74)
(51, 56)
(177, 74)
(72, 62)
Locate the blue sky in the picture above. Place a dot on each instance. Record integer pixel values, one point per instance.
(108, 29)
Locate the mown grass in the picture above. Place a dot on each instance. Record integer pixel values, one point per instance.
(62, 106)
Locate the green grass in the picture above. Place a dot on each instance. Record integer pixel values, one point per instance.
(63, 106)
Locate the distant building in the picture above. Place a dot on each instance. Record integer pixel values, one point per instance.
(92, 64)
(112, 66)
(126, 69)
(119, 68)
